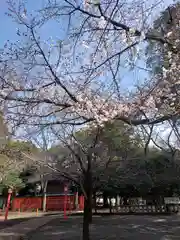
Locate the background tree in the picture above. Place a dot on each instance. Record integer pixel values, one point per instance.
(11, 159)
(87, 155)
(12, 163)
(163, 61)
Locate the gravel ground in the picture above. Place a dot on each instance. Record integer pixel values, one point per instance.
(112, 228)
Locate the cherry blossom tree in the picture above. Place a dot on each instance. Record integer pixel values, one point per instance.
(76, 80)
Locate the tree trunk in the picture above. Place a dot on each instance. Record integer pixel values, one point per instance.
(88, 199)
(87, 218)
(77, 201)
(44, 196)
(105, 200)
(125, 201)
(117, 202)
(110, 205)
(95, 205)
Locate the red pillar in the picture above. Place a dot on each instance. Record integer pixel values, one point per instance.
(81, 204)
(76, 205)
(65, 201)
(70, 207)
(8, 204)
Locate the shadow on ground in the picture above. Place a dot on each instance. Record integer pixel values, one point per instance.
(112, 228)
(126, 213)
(12, 222)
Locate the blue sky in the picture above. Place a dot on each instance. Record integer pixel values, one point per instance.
(8, 31)
(8, 28)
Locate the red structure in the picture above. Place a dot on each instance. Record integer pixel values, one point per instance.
(8, 204)
(53, 203)
(66, 201)
(81, 203)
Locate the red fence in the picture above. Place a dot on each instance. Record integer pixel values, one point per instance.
(53, 203)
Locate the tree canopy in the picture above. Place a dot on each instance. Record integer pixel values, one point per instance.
(55, 85)
(118, 162)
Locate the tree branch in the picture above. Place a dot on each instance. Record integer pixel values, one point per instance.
(51, 70)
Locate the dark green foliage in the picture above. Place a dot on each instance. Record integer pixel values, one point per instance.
(157, 57)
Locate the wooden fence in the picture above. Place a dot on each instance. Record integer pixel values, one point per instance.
(53, 203)
(145, 209)
(139, 209)
(56, 203)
